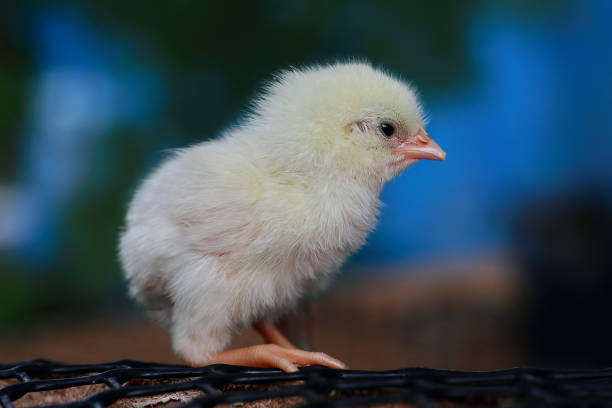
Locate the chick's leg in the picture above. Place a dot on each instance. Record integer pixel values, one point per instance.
(272, 355)
(272, 334)
(281, 353)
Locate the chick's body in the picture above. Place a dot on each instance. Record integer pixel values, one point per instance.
(232, 231)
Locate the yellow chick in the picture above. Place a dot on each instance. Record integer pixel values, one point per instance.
(232, 232)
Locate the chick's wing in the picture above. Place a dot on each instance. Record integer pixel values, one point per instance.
(217, 213)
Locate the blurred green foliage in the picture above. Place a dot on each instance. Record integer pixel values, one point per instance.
(246, 41)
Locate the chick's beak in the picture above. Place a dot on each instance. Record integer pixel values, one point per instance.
(420, 146)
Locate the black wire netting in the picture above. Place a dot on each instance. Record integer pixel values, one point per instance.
(137, 384)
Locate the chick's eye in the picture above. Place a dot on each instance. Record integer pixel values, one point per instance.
(387, 129)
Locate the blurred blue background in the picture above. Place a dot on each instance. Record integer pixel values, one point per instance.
(519, 94)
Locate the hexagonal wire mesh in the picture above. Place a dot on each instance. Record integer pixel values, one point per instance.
(139, 384)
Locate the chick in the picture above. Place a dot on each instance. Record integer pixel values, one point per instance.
(232, 232)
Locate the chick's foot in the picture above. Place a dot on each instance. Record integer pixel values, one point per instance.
(274, 356)
(272, 334)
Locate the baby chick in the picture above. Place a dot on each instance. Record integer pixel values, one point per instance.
(232, 232)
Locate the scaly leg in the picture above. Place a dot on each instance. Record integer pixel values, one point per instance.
(272, 334)
(275, 356)
(280, 354)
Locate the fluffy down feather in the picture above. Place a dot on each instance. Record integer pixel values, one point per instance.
(235, 230)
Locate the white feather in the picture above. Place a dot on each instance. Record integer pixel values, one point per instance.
(236, 229)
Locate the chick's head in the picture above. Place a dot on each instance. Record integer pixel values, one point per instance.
(346, 117)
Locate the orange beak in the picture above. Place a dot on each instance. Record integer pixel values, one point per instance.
(420, 146)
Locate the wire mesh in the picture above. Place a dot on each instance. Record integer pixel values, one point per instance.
(139, 384)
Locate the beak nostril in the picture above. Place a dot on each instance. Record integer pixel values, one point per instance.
(422, 139)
